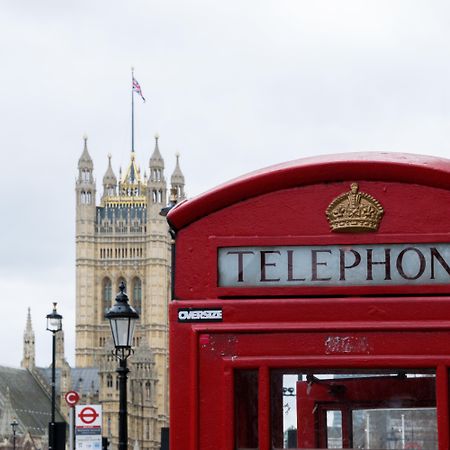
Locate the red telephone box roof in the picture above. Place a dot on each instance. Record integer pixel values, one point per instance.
(380, 166)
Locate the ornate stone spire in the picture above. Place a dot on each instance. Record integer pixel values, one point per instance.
(85, 161)
(131, 184)
(85, 184)
(109, 180)
(156, 160)
(28, 361)
(177, 180)
(133, 172)
(156, 182)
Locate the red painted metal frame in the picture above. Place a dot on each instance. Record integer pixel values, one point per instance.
(373, 166)
(210, 394)
(270, 328)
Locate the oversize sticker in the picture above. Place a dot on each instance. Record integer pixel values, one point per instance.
(200, 315)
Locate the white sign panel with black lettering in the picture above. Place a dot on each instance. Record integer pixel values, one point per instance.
(335, 265)
(200, 315)
(88, 427)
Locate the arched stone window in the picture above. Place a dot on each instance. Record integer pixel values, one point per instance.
(109, 380)
(137, 294)
(107, 293)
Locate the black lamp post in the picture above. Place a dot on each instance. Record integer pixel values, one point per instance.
(14, 424)
(122, 318)
(54, 324)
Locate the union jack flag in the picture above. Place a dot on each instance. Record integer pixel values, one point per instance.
(137, 88)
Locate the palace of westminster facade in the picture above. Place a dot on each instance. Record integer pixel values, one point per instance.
(124, 238)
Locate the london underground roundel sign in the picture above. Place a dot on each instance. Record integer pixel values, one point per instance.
(88, 415)
(72, 398)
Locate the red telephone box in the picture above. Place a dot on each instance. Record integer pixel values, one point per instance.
(311, 308)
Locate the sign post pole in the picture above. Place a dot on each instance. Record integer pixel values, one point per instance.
(71, 427)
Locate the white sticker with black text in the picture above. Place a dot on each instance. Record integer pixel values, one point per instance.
(200, 315)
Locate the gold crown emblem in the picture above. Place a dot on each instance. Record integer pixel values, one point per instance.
(354, 211)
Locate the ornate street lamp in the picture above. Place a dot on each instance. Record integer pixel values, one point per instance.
(54, 324)
(14, 424)
(122, 318)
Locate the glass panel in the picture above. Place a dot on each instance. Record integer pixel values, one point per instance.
(54, 324)
(131, 331)
(349, 409)
(289, 411)
(120, 330)
(334, 429)
(246, 409)
(395, 428)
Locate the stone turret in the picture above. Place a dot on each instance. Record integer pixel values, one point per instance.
(85, 186)
(109, 181)
(157, 187)
(177, 180)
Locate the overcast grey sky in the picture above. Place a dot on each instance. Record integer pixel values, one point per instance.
(233, 86)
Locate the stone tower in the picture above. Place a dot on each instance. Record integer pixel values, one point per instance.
(124, 238)
(29, 352)
(85, 260)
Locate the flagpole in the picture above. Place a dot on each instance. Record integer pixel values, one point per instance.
(132, 110)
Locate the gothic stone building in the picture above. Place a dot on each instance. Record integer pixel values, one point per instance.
(25, 394)
(125, 238)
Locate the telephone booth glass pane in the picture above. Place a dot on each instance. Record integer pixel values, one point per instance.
(340, 409)
(413, 428)
(246, 409)
(334, 429)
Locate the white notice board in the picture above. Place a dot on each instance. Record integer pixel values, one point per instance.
(88, 427)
